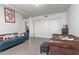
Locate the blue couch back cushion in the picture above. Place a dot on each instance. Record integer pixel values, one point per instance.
(26, 35)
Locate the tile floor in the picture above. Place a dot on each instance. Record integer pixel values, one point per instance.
(32, 47)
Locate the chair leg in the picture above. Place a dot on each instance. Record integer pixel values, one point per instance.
(47, 53)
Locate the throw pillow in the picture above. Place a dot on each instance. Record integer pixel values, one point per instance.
(7, 37)
(1, 38)
(71, 39)
(20, 34)
(65, 38)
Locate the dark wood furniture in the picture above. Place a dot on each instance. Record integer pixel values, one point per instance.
(64, 47)
(44, 48)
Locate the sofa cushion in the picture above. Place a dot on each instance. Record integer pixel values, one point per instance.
(60, 44)
(1, 43)
(74, 45)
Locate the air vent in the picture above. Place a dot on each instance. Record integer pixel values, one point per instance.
(46, 16)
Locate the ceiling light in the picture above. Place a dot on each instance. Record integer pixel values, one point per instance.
(37, 5)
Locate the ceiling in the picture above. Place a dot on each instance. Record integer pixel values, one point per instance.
(30, 10)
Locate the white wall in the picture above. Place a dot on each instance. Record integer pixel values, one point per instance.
(45, 26)
(18, 26)
(73, 19)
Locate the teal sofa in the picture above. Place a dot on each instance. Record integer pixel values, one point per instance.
(16, 40)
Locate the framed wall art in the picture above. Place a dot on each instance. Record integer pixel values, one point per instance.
(9, 15)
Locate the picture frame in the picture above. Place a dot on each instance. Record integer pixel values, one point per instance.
(9, 15)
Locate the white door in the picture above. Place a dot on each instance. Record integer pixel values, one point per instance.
(41, 28)
(54, 27)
